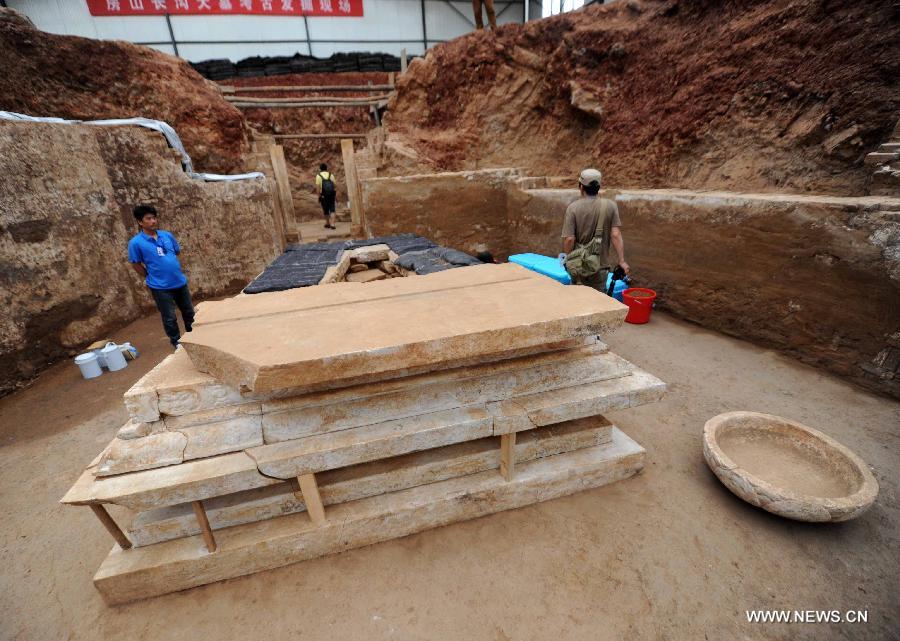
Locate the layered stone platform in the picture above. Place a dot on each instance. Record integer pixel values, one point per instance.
(128, 575)
(246, 468)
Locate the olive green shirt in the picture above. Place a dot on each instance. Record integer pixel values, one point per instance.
(581, 221)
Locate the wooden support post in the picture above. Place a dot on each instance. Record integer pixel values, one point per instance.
(354, 190)
(403, 60)
(508, 455)
(311, 497)
(391, 77)
(200, 513)
(111, 526)
(283, 187)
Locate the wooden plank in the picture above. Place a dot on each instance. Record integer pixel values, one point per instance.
(354, 192)
(283, 184)
(310, 491)
(310, 88)
(316, 136)
(392, 80)
(361, 99)
(111, 526)
(180, 564)
(203, 522)
(508, 455)
(307, 105)
(403, 60)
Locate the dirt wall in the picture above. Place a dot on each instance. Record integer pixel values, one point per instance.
(816, 277)
(458, 209)
(66, 194)
(76, 78)
(765, 95)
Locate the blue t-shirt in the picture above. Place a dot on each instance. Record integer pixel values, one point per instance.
(159, 256)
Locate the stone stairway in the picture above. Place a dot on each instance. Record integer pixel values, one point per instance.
(886, 161)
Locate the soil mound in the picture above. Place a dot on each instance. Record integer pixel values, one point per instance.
(79, 78)
(762, 96)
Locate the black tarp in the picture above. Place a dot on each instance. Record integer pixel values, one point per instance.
(305, 265)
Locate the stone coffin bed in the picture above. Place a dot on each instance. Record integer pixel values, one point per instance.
(229, 471)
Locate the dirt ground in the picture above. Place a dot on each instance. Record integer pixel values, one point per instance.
(669, 554)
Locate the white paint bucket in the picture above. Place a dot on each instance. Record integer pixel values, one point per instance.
(89, 365)
(114, 358)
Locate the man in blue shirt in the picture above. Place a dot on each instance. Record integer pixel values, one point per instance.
(154, 255)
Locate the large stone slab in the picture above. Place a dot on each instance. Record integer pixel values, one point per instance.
(155, 450)
(232, 435)
(176, 388)
(376, 402)
(190, 481)
(580, 401)
(127, 575)
(290, 459)
(368, 479)
(316, 334)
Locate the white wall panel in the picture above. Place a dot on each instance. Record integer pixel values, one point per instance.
(196, 53)
(133, 28)
(387, 27)
(219, 28)
(325, 49)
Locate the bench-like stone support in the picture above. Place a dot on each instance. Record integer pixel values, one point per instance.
(180, 564)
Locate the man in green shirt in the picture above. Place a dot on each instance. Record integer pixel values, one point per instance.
(592, 217)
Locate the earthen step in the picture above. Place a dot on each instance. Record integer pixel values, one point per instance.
(881, 158)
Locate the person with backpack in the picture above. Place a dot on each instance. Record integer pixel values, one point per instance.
(590, 226)
(327, 194)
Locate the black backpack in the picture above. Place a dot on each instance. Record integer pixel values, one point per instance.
(328, 185)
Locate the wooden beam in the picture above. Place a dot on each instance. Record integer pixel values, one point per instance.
(309, 88)
(111, 525)
(391, 79)
(311, 497)
(359, 99)
(283, 186)
(353, 188)
(208, 537)
(508, 455)
(316, 136)
(303, 105)
(403, 61)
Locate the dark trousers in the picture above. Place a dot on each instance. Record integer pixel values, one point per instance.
(489, 6)
(597, 281)
(166, 302)
(327, 203)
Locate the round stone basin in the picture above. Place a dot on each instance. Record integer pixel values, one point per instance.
(787, 468)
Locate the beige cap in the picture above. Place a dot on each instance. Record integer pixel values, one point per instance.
(589, 176)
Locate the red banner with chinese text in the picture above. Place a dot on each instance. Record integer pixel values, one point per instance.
(334, 8)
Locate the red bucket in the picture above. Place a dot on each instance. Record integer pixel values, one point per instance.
(640, 304)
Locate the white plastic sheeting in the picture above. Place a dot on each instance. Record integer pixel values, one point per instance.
(156, 125)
